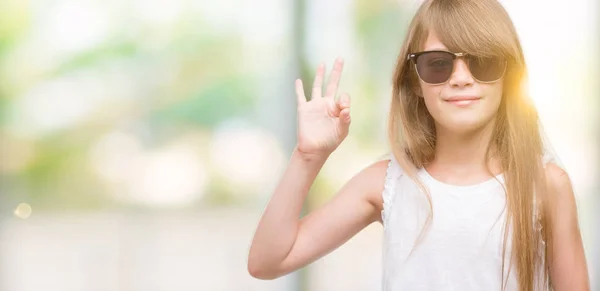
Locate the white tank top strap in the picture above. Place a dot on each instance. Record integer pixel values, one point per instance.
(393, 174)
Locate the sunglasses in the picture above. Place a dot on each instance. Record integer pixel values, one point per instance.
(436, 67)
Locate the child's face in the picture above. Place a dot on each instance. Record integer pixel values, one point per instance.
(462, 104)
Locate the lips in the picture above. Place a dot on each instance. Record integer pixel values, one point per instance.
(462, 98)
(463, 101)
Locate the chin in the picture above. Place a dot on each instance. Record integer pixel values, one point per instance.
(465, 126)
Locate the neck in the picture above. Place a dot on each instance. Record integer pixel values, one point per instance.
(464, 152)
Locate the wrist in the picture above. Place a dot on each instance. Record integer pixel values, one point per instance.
(310, 158)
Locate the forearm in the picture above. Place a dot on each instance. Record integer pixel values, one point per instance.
(278, 227)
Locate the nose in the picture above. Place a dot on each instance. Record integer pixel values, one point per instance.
(461, 76)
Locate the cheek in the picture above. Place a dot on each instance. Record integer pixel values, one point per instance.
(429, 91)
(432, 98)
(494, 95)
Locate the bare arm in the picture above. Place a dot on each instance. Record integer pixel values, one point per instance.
(283, 242)
(568, 268)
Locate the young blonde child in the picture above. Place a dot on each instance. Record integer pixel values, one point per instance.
(470, 199)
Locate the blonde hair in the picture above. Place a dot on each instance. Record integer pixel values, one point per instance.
(482, 28)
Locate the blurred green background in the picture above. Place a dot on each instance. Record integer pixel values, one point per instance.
(140, 140)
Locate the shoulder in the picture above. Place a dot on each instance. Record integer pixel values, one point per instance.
(371, 180)
(378, 168)
(560, 191)
(558, 182)
(373, 176)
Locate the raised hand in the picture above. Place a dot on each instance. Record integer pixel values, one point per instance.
(323, 122)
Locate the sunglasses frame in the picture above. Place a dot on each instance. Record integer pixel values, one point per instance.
(413, 57)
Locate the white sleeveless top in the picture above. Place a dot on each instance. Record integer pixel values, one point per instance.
(461, 249)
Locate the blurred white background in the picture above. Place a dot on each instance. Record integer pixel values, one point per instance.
(141, 139)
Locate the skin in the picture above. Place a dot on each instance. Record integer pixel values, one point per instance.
(284, 242)
(463, 133)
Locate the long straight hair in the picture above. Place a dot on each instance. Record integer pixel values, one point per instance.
(482, 28)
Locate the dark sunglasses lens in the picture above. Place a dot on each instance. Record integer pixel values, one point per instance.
(435, 67)
(486, 69)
